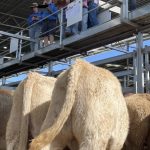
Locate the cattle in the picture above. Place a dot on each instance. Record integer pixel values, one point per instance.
(5, 108)
(87, 107)
(30, 105)
(139, 114)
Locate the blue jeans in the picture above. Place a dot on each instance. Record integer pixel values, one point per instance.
(73, 29)
(92, 14)
(132, 5)
(84, 19)
(34, 33)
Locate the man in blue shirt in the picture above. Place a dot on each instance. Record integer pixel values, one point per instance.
(35, 29)
(49, 23)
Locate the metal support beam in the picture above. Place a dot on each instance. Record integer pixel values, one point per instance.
(147, 81)
(124, 73)
(124, 82)
(16, 36)
(128, 77)
(61, 27)
(68, 49)
(3, 80)
(20, 46)
(29, 64)
(140, 72)
(42, 56)
(128, 90)
(13, 16)
(50, 68)
(11, 26)
(117, 49)
(140, 12)
(135, 71)
(124, 10)
(125, 14)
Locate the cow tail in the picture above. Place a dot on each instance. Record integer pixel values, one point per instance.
(49, 134)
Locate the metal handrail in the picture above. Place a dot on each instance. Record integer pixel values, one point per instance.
(61, 23)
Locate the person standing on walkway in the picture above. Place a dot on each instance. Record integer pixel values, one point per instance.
(93, 12)
(50, 22)
(62, 4)
(85, 16)
(34, 30)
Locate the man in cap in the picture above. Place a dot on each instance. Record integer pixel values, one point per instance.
(35, 28)
(49, 24)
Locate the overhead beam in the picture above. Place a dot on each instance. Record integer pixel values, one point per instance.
(124, 73)
(117, 49)
(16, 36)
(15, 27)
(13, 16)
(113, 59)
(43, 56)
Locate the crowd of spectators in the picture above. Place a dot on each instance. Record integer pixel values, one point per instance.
(41, 28)
(46, 28)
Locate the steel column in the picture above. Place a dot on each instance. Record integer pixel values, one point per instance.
(3, 80)
(135, 71)
(61, 26)
(140, 72)
(147, 81)
(20, 46)
(50, 68)
(124, 10)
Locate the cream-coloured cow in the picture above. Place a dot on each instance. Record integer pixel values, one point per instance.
(139, 114)
(5, 108)
(30, 104)
(87, 107)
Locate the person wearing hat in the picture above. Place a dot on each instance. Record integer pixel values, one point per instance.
(48, 25)
(34, 29)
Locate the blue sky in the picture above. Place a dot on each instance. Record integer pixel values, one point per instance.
(93, 58)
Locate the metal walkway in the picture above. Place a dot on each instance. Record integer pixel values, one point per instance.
(123, 66)
(115, 30)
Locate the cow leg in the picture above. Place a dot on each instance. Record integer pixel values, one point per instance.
(66, 148)
(2, 143)
(137, 142)
(12, 145)
(148, 142)
(57, 145)
(130, 145)
(93, 143)
(114, 145)
(73, 145)
(135, 147)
